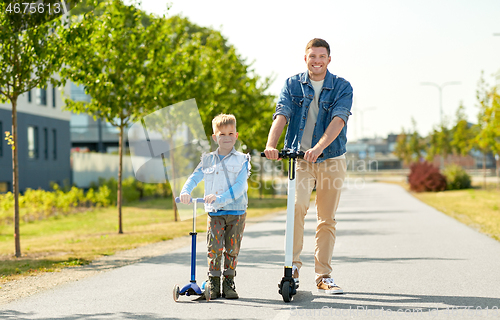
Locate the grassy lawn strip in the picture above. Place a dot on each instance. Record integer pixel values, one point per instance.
(77, 239)
(476, 207)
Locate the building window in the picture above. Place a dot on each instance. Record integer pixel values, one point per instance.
(54, 140)
(29, 96)
(53, 96)
(33, 142)
(4, 187)
(46, 143)
(41, 96)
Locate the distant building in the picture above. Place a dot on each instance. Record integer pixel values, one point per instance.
(88, 134)
(43, 140)
(377, 153)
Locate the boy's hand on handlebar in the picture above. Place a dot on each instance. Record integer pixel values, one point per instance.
(272, 153)
(312, 155)
(210, 198)
(185, 198)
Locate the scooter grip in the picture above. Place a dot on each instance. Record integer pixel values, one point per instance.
(178, 200)
(263, 154)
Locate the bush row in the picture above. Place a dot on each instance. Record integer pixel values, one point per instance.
(425, 177)
(40, 204)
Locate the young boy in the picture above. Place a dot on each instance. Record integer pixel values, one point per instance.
(225, 172)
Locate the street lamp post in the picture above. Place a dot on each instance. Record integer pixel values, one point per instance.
(362, 112)
(440, 88)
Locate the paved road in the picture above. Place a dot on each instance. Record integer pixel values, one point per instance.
(392, 253)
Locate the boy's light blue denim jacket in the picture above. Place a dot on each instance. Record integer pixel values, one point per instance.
(228, 198)
(335, 100)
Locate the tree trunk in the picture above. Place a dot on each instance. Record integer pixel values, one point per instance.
(498, 172)
(172, 180)
(484, 170)
(15, 179)
(120, 169)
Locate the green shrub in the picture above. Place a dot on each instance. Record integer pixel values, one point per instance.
(39, 204)
(456, 177)
(130, 191)
(112, 186)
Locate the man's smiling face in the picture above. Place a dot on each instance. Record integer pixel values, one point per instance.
(317, 61)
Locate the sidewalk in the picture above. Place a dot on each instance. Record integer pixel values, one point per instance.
(392, 253)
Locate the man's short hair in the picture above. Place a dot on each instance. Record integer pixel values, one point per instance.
(318, 43)
(223, 120)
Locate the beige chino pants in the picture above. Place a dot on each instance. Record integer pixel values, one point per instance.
(328, 177)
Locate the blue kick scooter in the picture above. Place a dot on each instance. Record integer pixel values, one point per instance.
(192, 288)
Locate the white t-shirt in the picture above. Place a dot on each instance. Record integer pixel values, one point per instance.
(312, 116)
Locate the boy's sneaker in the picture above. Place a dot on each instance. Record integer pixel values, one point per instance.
(327, 285)
(229, 288)
(214, 287)
(295, 275)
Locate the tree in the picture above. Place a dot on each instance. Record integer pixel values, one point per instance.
(31, 53)
(495, 128)
(115, 67)
(210, 70)
(409, 146)
(439, 143)
(462, 134)
(207, 68)
(487, 133)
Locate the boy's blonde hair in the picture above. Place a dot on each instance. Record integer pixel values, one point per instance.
(223, 120)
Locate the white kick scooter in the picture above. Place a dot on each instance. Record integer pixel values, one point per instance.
(287, 286)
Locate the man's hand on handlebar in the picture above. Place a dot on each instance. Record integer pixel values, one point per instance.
(272, 153)
(312, 155)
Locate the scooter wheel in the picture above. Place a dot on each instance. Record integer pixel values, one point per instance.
(207, 291)
(176, 292)
(286, 292)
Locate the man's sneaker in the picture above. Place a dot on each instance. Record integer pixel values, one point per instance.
(229, 288)
(295, 275)
(214, 287)
(327, 285)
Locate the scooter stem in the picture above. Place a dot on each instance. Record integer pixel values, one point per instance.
(290, 213)
(193, 245)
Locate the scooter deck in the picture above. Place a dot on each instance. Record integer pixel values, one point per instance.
(191, 289)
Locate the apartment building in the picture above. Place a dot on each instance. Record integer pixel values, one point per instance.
(43, 140)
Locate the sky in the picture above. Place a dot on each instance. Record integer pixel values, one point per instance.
(384, 48)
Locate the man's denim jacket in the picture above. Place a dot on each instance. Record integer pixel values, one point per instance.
(335, 100)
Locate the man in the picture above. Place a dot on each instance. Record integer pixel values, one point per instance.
(316, 106)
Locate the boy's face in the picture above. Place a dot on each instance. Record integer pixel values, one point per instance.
(225, 137)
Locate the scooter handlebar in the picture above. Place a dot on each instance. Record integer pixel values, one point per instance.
(178, 200)
(285, 154)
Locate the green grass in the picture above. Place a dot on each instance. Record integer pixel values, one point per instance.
(476, 207)
(77, 239)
